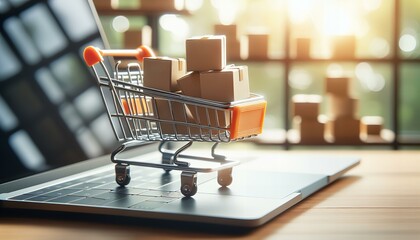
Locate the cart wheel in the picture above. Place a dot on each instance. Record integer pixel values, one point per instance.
(224, 177)
(122, 174)
(188, 183)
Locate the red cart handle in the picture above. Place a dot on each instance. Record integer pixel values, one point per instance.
(93, 55)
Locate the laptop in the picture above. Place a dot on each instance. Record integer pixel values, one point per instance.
(56, 138)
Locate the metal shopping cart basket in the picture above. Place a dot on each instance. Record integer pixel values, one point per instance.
(140, 114)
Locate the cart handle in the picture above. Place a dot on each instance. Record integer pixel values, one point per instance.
(94, 55)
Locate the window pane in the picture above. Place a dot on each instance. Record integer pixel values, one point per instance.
(8, 61)
(7, 119)
(44, 30)
(22, 99)
(4, 6)
(75, 16)
(25, 149)
(49, 86)
(88, 143)
(409, 114)
(17, 3)
(71, 117)
(103, 131)
(89, 103)
(409, 36)
(70, 74)
(22, 41)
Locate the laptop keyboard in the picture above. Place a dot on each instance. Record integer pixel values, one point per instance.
(148, 189)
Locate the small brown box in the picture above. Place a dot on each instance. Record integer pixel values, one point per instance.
(229, 31)
(371, 125)
(343, 130)
(310, 130)
(172, 111)
(132, 39)
(135, 38)
(157, 5)
(206, 53)
(344, 47)
(103, 4)
(303, 48)
(337, 86)
(230, 84)
(339, 107)
(257, 46)
(233, 50)
(306, 106)
(190, 84)
(163, 72)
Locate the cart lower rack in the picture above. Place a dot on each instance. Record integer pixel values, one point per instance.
(140, 114)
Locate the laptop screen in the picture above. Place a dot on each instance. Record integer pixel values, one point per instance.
(51, 111)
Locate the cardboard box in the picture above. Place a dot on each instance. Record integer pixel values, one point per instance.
(339, 86)
(306, 106)
(343, 130)
(157, 5)
(257, 46)
(206, 53)
(371, 125)
(230, 31)
(103, 5)
(303, 48)
(233, 50)
(132, 39)
(135, 38)
(190, 84)
(163, 72)
(310, 130)
(230, 84)
(338, 107)
(344, 47)
(172, 111)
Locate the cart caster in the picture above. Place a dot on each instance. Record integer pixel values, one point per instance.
(188, 183)
(122, 174)
(224, 177)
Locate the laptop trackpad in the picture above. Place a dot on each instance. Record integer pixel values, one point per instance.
(264, 184)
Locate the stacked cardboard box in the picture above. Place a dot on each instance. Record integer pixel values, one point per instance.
(344, 47)
(370, 126)
(134, 38)
(257, 46)
(208, 77)
(162, 73)
(303, 48)
(233, 47)
(211, 79)
(305, 118)
(343, 125)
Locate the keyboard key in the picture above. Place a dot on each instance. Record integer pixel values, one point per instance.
(61, 192)
(92, 201)
(40, 198)
(128, 201)
(85, 185)
(148, 205)
(110, 196)
(65, 199)
(89, 192)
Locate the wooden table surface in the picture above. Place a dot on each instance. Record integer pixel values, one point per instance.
(379, 199)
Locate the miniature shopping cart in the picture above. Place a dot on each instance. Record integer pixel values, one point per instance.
(140, 114)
